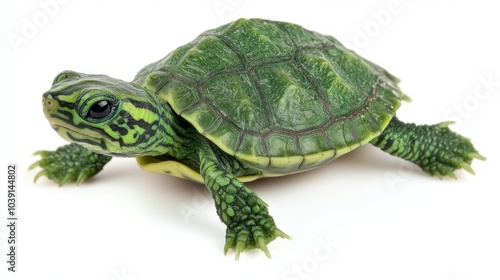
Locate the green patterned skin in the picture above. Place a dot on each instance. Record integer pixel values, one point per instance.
(250, 99)
(65, 164)
(435, 148)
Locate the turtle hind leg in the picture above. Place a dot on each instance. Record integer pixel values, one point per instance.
(68, 163)
(435, 148)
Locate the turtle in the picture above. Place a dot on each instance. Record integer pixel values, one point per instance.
(250, 99)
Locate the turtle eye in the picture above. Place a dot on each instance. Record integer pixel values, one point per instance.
(100, 109)
(97, 108)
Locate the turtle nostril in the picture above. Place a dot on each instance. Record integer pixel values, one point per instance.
(47, 101)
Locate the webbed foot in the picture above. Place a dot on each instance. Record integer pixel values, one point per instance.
(435, 148)
(69, 163)
(253, 233)
(451, 153)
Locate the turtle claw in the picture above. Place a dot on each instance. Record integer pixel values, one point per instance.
(34, 164)
(82, 177)
(39, 174)
(256, 240)
(69, 176)
(240, 246)
(261, 244)
(467, 167)
(280, 233)
(445, 124)
(452, 175)
(476, 156)
(446, 165)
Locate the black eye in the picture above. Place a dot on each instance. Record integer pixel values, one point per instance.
(100, 110)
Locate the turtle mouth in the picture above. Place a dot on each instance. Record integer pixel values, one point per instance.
(89, 139)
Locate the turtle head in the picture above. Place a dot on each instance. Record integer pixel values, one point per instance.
(105, 115)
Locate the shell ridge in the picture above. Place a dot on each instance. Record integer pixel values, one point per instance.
(253, 78)
(341, 72)
(372, 97)
(318, 93)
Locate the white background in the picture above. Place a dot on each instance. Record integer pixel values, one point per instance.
(383, 218)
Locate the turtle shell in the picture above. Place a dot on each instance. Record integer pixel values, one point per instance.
(278, 97)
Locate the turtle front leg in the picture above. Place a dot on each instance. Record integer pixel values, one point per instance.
(246, 216)
(69, 163)
(435, 148)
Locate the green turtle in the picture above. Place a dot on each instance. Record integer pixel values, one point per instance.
(253, 98)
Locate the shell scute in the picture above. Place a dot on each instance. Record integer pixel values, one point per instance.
(286, 90)
(247, 146)
(234, 96)
(279, 145)
(197, 60)
(313, 142)
(257, 40)
(227, 134)
(185, 96)
(203, 117)
(303, 37)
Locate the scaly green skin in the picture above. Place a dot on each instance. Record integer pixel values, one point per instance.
(435, 148)
(249, 99)
(69, 163)
(246, 216)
